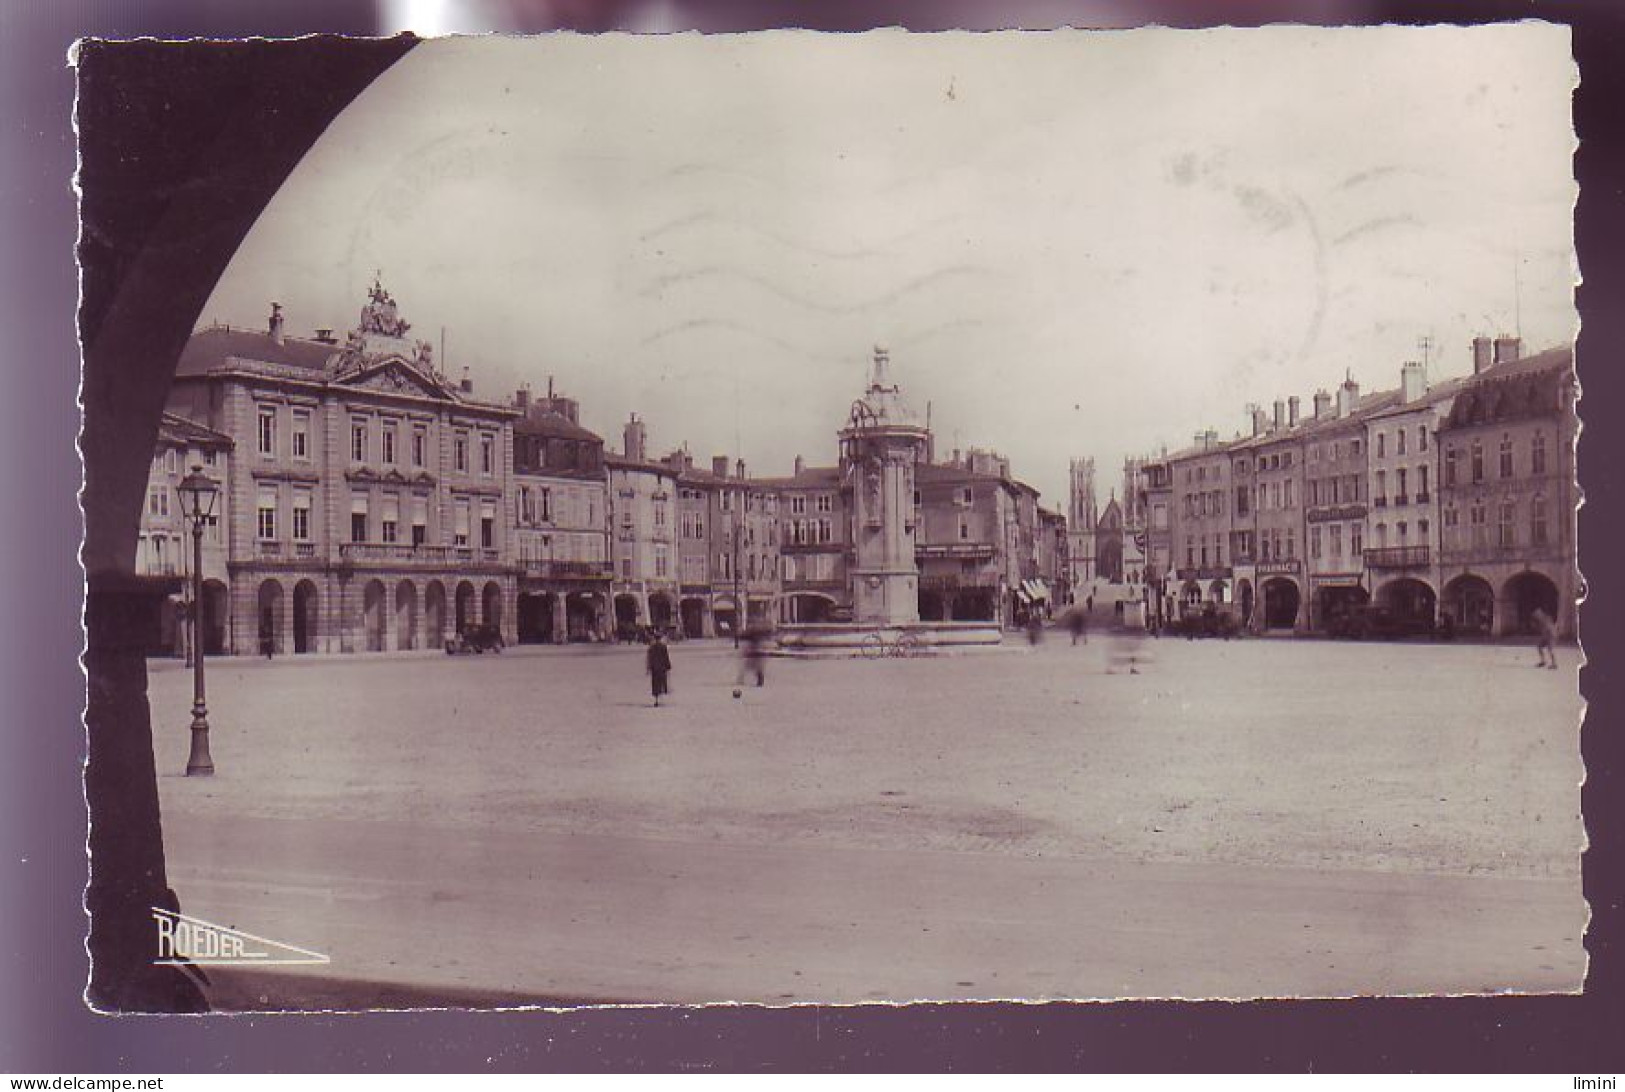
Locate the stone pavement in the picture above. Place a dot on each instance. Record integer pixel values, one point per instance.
(1240, 819)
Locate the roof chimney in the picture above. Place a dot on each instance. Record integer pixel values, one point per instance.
(1255, 414)
(467, 385)
(739, 469)
(521, 398)
(1413, 382)
(1481, 354)
(801, 466)
(325, 336)
(1508, 349)
(1292, 411)
(276, 323)
(1280, 414)
(1348, 396)
(1323, 404)
(633, 438)
(719, 465)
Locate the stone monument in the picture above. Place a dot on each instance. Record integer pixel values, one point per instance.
(880, 446)
(883, 442)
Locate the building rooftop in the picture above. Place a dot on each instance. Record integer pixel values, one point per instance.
(552, 425)
(173, 429)
(811, 477)
(616, 461)
(1528, 387)
(213, 346)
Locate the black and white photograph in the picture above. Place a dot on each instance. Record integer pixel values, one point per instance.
(796, 518)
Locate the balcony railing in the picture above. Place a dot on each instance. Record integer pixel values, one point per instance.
(1423, 497)
(1396, 557)
(304, 549)
(548, 568)
(393, 551)
(967, 551)
(1379, 502)
(1401, 501)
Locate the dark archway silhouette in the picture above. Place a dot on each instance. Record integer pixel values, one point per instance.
(1522, 595)
(1469, 603)
(1281, 602)
(167, 194)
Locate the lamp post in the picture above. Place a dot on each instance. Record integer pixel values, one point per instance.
(198, 493)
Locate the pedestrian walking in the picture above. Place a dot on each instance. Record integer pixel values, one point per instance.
(267, 635)
(752, 656)
(1545, 639)
(1078, 621)
(658, 662)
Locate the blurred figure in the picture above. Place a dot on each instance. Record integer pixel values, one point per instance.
(1545, 639)
(1035, 628)
(1078, 622)
(752, 656)
(658, 662)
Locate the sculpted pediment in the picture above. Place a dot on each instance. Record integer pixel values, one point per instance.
(396, 376)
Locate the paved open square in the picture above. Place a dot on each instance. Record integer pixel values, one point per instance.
(1238, 819)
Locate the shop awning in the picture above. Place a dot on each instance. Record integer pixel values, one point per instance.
(1033, 591)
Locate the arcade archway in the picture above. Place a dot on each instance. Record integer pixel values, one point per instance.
(1410, 599)
(1524, 594)
(372, 615)
(406, 614)
(1281, 602)
(306, 612)
(1469, 602)
(271, 624)
(434, 613)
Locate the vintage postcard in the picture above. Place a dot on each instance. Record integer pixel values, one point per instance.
(806, 518)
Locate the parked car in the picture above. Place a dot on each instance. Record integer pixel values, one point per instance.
(1204, 622)
(475, 639)
(1371, 621)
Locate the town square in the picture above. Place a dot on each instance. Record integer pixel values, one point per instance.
(1027, 822)
(692, 558)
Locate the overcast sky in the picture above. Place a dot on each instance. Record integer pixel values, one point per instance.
(1073, 243)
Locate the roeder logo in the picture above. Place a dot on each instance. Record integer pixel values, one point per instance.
(183, 939)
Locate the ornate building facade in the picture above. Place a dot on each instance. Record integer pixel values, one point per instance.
(365, 507)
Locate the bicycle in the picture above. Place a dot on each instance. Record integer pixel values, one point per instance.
(875, 646)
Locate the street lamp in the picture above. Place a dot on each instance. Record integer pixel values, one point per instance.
(198, 493)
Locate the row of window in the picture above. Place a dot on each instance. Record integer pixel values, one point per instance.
(389, 529)
(388, 451)
(823, 502)
(1506, 463)
(1403, 480)
(1400, 436)
(810, 531)
(1336, 450)
(1341, 489)
(561, 547)
(1478, 535)
(1211, 503)
(542, 504)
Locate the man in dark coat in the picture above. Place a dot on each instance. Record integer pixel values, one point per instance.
(658, 660)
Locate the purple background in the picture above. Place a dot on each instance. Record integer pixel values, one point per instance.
(44, 1025)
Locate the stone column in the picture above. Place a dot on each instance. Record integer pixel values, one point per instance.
(561, 618)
